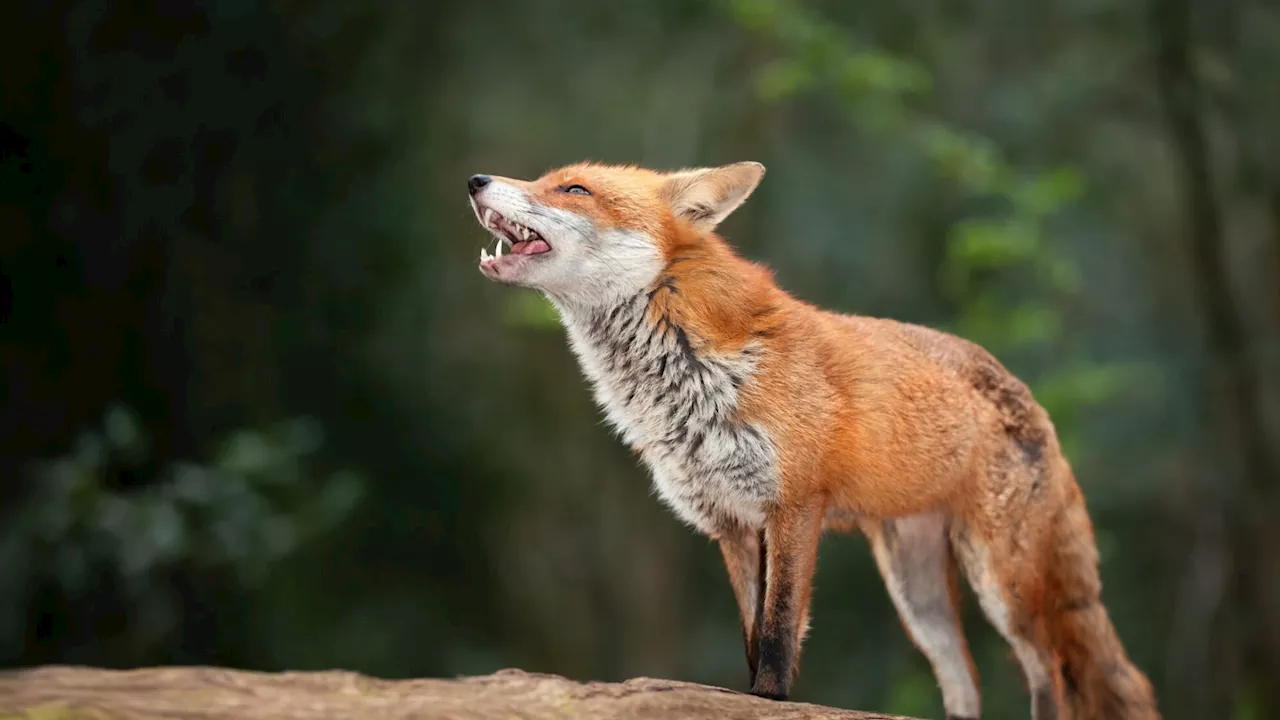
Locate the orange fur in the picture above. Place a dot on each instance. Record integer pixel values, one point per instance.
(872, 421)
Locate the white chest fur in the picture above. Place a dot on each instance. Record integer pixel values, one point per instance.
(680, 408)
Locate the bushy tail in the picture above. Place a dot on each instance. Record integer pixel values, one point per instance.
(1098, 680)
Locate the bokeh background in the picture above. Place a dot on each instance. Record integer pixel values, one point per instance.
(258, 408)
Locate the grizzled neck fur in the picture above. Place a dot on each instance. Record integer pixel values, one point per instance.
(678, 405)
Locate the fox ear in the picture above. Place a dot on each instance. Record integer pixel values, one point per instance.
(706, 196)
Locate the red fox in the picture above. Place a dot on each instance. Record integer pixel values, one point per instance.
(765, 421)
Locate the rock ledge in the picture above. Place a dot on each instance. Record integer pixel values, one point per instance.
(205, 693)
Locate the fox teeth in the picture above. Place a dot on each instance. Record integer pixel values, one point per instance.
(498, 250)
(488, 217)
(484, 254)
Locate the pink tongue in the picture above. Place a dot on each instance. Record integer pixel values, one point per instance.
(530, 247)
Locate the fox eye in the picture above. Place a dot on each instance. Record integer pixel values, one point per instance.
(575, 190)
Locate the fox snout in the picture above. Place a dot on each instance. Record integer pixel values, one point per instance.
(517, 243)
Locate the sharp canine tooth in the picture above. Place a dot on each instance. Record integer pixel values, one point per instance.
(499, 250)
(488, 217)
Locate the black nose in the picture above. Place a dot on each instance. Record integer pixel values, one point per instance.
(475, 182)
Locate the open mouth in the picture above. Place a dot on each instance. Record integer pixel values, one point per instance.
(516, 238)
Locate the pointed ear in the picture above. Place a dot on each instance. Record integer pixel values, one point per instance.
(706, 196)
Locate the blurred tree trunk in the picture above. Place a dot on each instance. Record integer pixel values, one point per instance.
(1234, 385)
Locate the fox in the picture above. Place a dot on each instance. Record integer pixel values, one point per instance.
(765, 421)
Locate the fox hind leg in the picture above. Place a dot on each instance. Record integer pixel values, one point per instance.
(914, 557)
(994, 569)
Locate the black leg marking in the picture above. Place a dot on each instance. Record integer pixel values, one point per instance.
(792, 549)
(777, 640)
(770, 681)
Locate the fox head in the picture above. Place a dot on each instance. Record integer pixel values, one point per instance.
(592, 234)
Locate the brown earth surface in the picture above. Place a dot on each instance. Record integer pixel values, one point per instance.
(203, 693)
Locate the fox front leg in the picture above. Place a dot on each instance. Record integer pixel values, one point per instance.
(791, 550)
(743, 552)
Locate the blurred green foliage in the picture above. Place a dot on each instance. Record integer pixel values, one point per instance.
(240, 514)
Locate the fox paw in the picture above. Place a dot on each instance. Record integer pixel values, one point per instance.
(769, 694)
